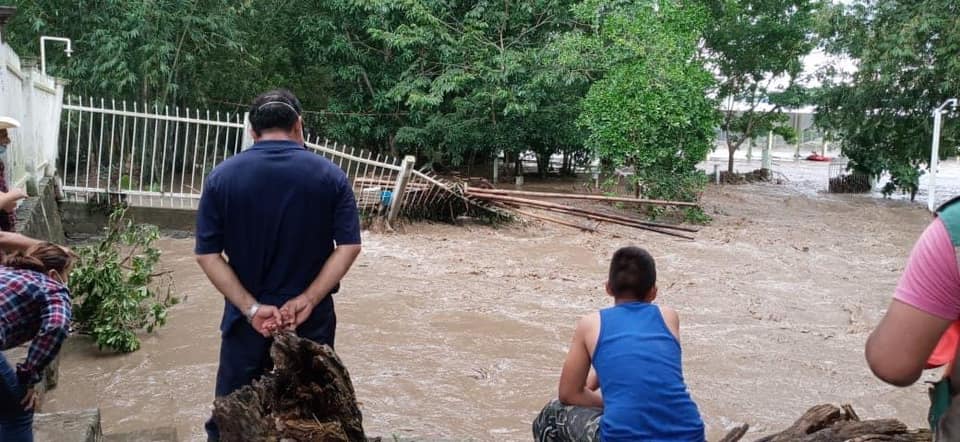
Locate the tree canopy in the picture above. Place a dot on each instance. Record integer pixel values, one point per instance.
(756, 48)
(905, 55)
(456, 83)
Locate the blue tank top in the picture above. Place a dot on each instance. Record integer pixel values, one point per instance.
(637, 361)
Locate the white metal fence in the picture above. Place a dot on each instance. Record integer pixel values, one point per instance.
(153, 156)
(156, 157)
(34, 100)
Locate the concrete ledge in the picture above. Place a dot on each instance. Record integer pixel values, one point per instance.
(39, 217)
(70, 426)
(78, 218)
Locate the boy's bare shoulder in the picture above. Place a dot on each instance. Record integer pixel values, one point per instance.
(589, 321)
(667, 310)
(670, 316)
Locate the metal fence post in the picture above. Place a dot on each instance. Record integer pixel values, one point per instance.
(765, 162)
(406, 169)
(247, 137)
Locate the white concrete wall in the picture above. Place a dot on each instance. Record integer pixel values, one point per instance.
(36, 101)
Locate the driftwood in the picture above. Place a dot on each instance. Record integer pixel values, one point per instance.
(827, 423)
(570, 210)
(582, 212)
(307, 397)
(549, 219)
(579, 196)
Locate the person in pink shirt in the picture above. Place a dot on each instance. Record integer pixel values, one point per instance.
(926, 302)
(920, 328)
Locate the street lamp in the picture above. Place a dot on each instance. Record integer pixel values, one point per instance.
(935, 151)
(43, 50)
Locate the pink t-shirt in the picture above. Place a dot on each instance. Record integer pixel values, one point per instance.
(931, 281)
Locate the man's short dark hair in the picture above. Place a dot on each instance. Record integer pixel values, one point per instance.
(632, 273)
(277, 109)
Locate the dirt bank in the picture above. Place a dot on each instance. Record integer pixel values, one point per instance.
(459, 332)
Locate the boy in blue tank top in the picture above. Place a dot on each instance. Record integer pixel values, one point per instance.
(622, 379)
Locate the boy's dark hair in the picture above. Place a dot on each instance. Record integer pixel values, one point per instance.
(632, 273)
(276, 109)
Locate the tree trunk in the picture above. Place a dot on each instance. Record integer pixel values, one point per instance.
(307, 397)
(827, 423)
(543, 164)
(731, 149)
(392, 145)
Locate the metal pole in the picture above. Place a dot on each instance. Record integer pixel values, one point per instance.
(406, 169)
(247, 132)
(935, 152)
(43, 50)
(934, 161)
(765, 161)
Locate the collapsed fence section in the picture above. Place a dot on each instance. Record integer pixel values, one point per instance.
(160, 157)
(389, 188)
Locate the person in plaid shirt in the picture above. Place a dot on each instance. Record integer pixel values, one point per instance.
(34, 306)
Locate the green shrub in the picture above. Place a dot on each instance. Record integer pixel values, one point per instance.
(116, 291)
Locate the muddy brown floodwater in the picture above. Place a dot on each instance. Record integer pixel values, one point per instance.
(459, 332)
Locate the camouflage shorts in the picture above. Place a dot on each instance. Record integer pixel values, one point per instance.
(567, 423)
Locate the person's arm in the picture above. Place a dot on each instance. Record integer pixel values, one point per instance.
(54, 327)
(573, 377)
(15, 242)
(593, 382)
(8, 200)
(298, 309)
(346, 235)
(225, 280)
(898, 348)
(925, 303)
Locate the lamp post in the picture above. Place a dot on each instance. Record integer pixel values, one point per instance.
(43, 50)
(935, 151)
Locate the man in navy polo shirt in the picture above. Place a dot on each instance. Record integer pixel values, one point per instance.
(277, 229)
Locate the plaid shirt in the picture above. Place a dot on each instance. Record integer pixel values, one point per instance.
(33, 306)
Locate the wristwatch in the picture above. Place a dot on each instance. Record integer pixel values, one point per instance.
(253, 311)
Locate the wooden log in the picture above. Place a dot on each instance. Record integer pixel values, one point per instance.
(735, 434)
(545, 204)
(622, 223)
(827, 423)
(580, 196)
(307, 397)
(551, 219)
(815, 419)
(617, 219)
(846, 430)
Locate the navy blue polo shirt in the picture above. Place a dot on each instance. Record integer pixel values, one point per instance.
(276, 210)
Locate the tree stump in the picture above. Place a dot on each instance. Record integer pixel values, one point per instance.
(827, 423)
(307, 397)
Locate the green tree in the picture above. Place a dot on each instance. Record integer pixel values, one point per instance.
(145, 50)
(756, 49)
(905, 54)
(649, 109)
